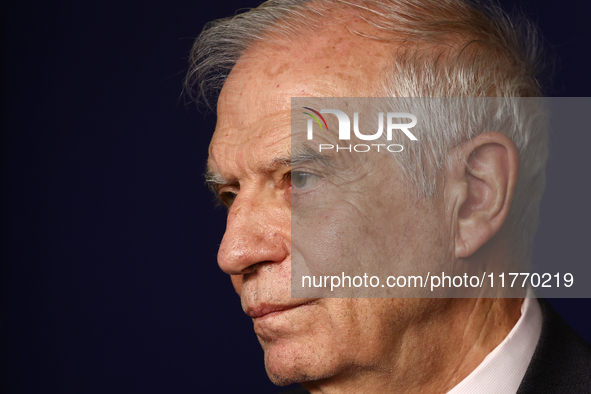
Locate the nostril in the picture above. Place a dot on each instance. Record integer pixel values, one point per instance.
(251, 269)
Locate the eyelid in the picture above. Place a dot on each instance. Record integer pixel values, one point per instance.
(318, 181)
(223, 192)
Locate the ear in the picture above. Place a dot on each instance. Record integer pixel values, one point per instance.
(482, 182)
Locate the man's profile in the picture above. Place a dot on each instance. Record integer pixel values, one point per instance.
(471, 197)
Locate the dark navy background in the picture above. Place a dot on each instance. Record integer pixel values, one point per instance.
(109, 281)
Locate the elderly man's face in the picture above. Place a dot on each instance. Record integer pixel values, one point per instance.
(317, 338)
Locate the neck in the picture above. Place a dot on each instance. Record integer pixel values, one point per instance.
(435, 354)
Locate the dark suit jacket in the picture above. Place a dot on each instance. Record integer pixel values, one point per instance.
(561, 363)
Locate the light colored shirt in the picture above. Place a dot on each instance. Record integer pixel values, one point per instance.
(503, 369)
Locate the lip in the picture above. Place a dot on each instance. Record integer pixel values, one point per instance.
(267, 310)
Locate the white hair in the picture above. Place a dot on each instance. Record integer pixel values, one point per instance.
(441, 48)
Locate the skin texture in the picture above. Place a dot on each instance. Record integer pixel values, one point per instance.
(352, 345)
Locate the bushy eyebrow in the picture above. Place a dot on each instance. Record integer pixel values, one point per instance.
(303, 154)
(214, 180)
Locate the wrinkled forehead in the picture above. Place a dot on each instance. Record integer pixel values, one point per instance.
(254, 107)
(331, 61)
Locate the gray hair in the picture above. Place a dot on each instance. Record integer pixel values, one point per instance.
(444, 48)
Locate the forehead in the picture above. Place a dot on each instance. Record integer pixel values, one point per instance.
(254, 104)
(335, 59)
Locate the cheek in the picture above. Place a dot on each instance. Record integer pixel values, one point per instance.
(352, 238)
(377, 323)
(356, 240)
(325, 238)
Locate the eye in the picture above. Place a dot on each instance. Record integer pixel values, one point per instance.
(303, 180)
(227, 198)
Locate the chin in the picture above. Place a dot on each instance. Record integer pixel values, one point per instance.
(288, 362)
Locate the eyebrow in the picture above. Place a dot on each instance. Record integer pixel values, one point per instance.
(304, 154)
(214, 180)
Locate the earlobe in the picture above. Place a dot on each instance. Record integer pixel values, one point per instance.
(487, 177)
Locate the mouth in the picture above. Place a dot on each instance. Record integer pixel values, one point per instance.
(268, 310)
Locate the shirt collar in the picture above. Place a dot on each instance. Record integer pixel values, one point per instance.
(503, 369)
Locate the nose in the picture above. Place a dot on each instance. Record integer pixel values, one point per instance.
(257, 231)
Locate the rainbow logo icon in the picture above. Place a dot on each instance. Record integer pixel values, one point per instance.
(316, 117)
